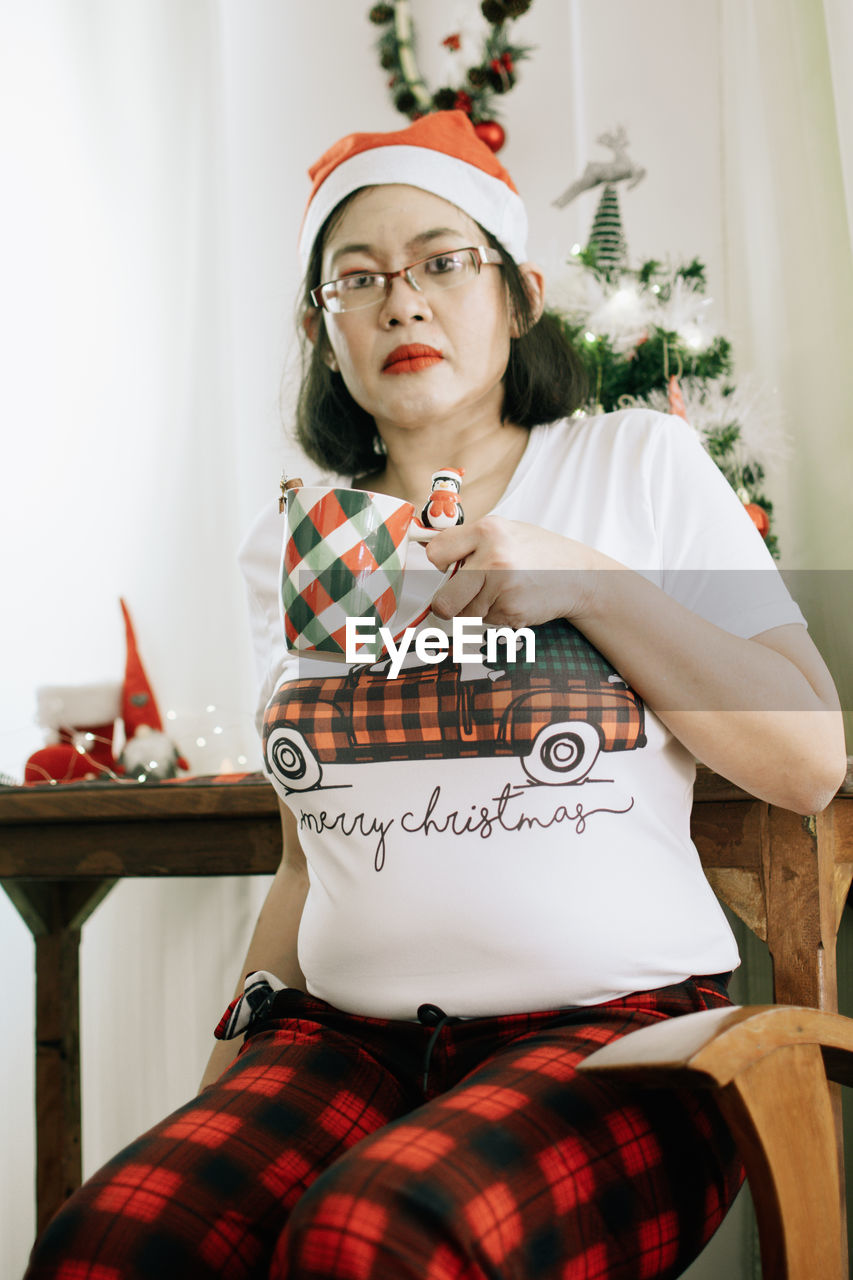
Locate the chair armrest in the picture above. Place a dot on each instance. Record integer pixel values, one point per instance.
(768, 1065)
(710, 1048)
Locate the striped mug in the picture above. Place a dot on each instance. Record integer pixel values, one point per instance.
(344, 556)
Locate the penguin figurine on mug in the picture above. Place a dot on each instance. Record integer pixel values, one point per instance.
(442, 509)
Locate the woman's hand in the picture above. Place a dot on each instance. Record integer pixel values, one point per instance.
(761, 711)
(513, 574)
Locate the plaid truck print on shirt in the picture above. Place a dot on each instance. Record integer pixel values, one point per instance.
(556, 714)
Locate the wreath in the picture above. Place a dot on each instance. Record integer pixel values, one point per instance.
(493, 75)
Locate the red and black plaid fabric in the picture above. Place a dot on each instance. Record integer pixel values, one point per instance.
(321, 1153)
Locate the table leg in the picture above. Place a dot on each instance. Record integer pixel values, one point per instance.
(55, 912)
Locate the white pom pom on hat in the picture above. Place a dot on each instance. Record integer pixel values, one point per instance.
(439, 153)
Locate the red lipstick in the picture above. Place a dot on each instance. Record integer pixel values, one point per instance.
(411, 358)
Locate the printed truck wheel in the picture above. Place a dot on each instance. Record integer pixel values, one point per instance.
(562, 753)
(292, 761)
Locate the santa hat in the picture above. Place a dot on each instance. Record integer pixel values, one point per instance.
(449, 473)
(439, 153)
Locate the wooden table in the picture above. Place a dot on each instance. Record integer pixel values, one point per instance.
(62, 849)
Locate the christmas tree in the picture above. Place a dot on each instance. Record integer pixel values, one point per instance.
(645, 337)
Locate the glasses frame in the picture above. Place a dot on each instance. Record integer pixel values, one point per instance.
(483, 256)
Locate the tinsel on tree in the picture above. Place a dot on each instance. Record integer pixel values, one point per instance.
(645, 337)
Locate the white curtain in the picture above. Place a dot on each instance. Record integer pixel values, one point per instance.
(786, 154)
(122, 474)
(839, 35)
(153, 161)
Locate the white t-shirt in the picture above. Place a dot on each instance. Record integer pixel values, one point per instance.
(453, 855)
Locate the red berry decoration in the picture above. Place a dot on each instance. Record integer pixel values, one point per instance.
(492, 133)
(759, 518)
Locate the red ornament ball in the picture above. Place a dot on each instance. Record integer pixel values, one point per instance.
(759, 518)
(492, 133)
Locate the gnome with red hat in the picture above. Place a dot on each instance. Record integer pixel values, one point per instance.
(147, 752)
(81, 721)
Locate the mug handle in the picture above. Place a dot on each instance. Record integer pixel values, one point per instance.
(420, 533)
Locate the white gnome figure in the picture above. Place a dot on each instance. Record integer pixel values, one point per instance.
(442, 509)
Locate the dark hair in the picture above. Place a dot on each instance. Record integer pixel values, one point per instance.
(544, 380)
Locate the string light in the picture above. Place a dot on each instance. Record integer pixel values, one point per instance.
(692, 337)
(182, 724)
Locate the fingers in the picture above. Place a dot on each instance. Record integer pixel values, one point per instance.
(492, 540)
(489, 582)
(459, 595)
(457, 545)
(513, 573)
(499, 597)
(452, 544)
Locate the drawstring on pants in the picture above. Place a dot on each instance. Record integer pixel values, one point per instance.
(259, 993)
(429, 1015)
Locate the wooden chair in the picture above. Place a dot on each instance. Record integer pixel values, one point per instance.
(770, 1066)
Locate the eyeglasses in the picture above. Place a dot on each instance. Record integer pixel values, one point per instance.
(434, 274)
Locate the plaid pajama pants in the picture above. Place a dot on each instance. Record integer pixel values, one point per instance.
(324, 1152)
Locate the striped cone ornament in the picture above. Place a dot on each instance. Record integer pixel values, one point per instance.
(607, 234)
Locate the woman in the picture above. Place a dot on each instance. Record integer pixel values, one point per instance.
(481, 897)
